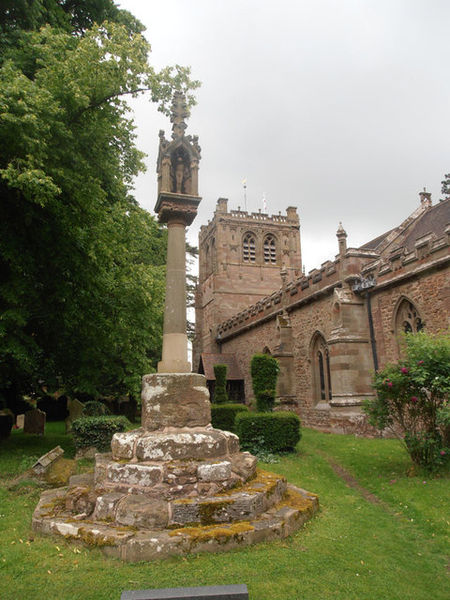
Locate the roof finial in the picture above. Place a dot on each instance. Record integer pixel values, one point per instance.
(341, 231)
(179, 113)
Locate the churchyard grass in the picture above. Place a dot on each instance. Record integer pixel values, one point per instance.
(390, 545)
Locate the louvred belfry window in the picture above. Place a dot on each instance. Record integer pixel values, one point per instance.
(270, 249)
(249, 248)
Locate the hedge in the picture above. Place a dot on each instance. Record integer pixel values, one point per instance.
(98, 431)
(273, 432)
(223, 416)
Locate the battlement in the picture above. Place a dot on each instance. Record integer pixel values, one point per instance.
(259, 216)
(429, 252)
(238, 216)
(303, 288)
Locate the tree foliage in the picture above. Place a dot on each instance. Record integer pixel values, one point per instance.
(412, 398)
(81, 264)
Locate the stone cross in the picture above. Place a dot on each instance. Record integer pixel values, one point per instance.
(179, 114)
(178, 210)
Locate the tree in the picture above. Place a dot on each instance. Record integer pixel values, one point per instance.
(412, 398)
(81, 265)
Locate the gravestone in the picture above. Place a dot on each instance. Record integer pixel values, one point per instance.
(75, 408)
(20, 419)
(34, 422)
(210, 592)
(45, 461)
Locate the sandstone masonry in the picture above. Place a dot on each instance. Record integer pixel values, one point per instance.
(330, 329)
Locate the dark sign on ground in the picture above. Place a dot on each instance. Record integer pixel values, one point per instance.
(214, 592)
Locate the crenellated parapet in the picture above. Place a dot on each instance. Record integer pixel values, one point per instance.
(357, 265)
(301, 290)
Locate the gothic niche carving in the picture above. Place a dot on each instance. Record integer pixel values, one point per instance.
(178, 160)
(180, 172)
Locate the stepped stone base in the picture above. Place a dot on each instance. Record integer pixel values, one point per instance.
(174, 485)
(128, 527)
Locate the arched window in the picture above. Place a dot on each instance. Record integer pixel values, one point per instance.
(407, 319)
(320, 361)
(249, 248)
(270, 249)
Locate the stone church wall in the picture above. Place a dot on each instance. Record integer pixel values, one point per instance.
(327, 313)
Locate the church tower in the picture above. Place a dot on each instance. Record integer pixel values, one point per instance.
(241, 255)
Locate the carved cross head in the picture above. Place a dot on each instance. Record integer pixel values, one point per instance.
(179, 113)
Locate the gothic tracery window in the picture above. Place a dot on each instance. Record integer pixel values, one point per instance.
(249, 248)
(320, 360)
(270, 249)
(408, 319)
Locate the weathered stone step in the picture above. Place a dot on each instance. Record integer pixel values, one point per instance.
(174, 479)
(180, 444)
(249, 501)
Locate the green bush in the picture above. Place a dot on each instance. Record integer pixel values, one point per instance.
(97, 431)
(412, 398)
(223, 416)
(264, 370)
(220, 388)
(271, 432)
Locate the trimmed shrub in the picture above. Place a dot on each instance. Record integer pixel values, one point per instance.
(97, 431)
(223, 416)
(271, 432)
(264, 371)
(220, 388)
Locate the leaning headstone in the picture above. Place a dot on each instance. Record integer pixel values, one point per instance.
(43, 463)
(210, 592)
(20, 419)
(53, 468)
(34, 422)
(75, 408)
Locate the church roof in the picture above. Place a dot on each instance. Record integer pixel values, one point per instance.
(432, 219)
(208, 360)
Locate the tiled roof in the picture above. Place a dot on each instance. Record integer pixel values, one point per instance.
(433, 219)
(208, 360)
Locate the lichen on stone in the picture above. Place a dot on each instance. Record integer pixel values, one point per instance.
(218, 533)
(208, 510)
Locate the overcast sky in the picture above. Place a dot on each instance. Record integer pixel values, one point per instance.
(338, 107)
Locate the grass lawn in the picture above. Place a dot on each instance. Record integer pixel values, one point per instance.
(355, 548)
